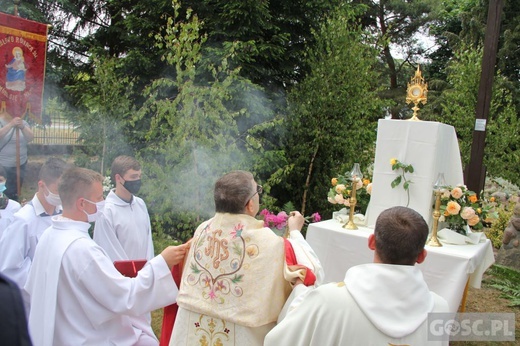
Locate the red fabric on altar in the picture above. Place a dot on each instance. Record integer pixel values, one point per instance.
(23, 49)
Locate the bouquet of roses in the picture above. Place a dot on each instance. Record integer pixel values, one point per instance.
(461, 207)
(341, 189)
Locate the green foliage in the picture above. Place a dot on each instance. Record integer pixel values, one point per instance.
(404, 168)
(332, 115)
(105, 105)
(197, 121)
(496, 232)
(506, 280)
(502, 153)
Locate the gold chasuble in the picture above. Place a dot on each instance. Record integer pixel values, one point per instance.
(234, 274)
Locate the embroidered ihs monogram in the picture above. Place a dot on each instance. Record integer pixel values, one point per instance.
(217, 248)
(217, 258)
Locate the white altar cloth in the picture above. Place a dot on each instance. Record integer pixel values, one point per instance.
(446, 269)
(430, 147)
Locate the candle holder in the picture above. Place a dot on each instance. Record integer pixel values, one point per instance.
(437, 187)
(355, 176)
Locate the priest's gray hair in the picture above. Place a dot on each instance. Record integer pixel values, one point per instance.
(400, 234)
(233, 191)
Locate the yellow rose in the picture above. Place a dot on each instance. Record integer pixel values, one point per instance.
(366, 182)
(393, 161)
(492, 199)
(453, 208)
(473, 198)
(334, 181)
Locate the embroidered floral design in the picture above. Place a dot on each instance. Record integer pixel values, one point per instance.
(212, 331)
(217, 257)
(237, 231)
(252, 251)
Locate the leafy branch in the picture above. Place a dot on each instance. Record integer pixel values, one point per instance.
(405, 168)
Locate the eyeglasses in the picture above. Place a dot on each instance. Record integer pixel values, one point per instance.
(259, 190)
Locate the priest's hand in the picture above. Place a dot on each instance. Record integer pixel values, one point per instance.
(295, 221)
(175, 254)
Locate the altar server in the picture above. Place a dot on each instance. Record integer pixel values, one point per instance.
(8, 207)
(382, 303)
(19, 239)
(77, 295)
(236, 280)
(124, 230)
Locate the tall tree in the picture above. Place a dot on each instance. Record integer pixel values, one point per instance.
(332, 113)
(398, 26)
(193, 134)
(502, 151)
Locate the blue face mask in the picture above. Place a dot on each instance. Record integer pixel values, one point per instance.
(2, 187)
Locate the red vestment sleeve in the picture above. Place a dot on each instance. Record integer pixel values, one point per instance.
(290, 258)
(170, 311)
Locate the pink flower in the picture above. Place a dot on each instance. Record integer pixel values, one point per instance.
(340, 188)
(264, 212)
(316, 217)
(369, 188)
(339, 199)
(456, 193)
(467, 213)
(331, 200)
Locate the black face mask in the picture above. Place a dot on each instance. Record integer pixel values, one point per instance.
(132, 186)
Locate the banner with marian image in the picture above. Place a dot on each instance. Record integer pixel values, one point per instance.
(23, 48)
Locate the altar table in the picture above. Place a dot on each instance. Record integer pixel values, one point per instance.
(446, 269)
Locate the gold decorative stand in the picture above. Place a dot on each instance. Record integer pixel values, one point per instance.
(439, 184)
(355, 176)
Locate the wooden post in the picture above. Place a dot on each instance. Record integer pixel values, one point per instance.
(474, 178)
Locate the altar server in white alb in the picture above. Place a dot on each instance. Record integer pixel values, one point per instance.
(382, 303)
(77, 295)
(124, 230)
(236, 278)
(8, 207)
(19, 239)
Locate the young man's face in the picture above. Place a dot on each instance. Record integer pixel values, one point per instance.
(131, 175)
(48, 187)
(93, 195)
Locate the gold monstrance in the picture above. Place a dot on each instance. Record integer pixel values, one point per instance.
(416, 92)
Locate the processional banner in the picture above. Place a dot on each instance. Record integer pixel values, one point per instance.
(23, 48)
